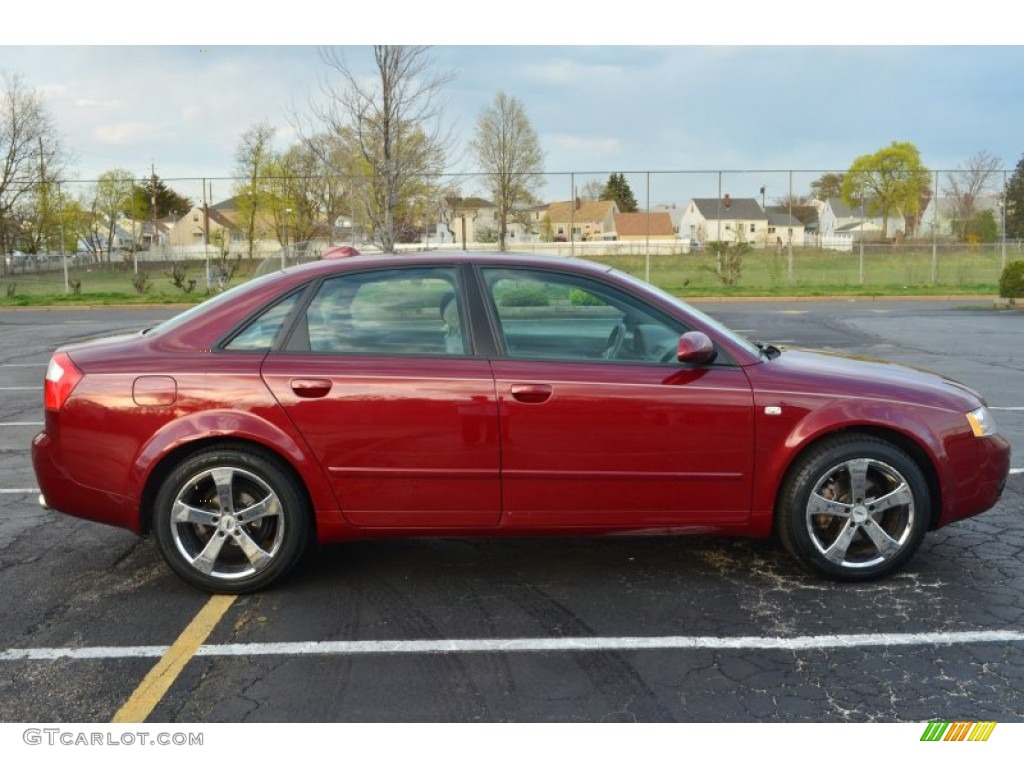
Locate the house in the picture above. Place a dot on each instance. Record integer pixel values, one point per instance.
(100, 240)
(835, 215)
(581, 220)
(155, 234)
(201, 226)
(835, 218)
(783, 228)
(467, 219)
(726, 219)
(475, 220)
(674, 211)
(644, 226)
(939, 216)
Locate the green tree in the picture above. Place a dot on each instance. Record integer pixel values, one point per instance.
(827, 185)
(254, 160)
(617, 189)
(1011, 282)
(168, 202)
(112, 198)
(509, 153)
(326, 188)
(982, 227)
(891, 180)
(1015, 202)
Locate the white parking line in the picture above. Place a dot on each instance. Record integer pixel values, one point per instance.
(21, 424)
(528, 645)
(21, 389)
(19, 490)
(1006, 408)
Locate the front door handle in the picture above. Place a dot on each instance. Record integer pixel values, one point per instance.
(531, 393)
(311, 388)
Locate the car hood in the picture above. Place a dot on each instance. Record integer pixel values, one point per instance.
(853, 376)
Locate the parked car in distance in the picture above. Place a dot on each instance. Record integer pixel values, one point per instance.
(457, 394)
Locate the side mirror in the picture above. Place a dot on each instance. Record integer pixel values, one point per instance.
(695, 347)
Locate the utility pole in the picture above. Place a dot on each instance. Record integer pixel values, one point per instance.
(153, 240)
(206, 234)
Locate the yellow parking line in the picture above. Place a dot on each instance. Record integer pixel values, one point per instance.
(159, 680)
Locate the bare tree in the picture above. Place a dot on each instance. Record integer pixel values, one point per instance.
(30, 153)
(390, 131)
(967, 185)
(592, 190)
(254, 157)
(509, 153)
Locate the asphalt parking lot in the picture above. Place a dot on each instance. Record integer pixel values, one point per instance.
(592, 630)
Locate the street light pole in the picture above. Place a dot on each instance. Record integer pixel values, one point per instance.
(1002, 206)
(861, 238)
(284, 250)
(63, 253)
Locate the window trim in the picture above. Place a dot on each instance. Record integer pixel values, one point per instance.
(313, 288)
(573, 280)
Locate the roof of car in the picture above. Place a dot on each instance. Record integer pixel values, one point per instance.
(449, 257)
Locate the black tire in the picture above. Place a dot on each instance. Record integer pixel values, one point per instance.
(854, 508)
(264, 534)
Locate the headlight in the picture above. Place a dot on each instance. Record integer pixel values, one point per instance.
(982, 423)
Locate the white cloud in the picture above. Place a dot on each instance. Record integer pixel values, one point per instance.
(563, 71)
(104, 103)
(594, 147)
(125, 133)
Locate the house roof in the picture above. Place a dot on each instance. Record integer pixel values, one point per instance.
(856, 226)
(841, 210)
(231, 204)
(783, 219)
(712, 208)
(805, 214)
(674, 211)
(640, 224)
(218, 217)
(469, 202)
(588, 210)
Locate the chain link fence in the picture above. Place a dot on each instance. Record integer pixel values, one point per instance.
(692, 232)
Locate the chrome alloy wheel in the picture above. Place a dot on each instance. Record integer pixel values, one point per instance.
(860, 513)
(227, 523)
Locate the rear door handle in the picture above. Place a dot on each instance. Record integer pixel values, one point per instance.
(311, 388)
(531, 393)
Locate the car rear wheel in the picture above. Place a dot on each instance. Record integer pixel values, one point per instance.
(854, 508)
(231, 520)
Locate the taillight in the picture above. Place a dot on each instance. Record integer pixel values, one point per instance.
(62, 376)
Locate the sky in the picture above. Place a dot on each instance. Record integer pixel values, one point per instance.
(688, 92)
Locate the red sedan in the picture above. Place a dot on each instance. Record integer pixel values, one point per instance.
(459, 394)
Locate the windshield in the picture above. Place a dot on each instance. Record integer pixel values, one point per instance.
(713, 324)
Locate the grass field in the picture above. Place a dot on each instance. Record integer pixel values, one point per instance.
(810, 272)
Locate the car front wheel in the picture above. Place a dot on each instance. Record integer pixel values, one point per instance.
(854, 508)
(230, 520)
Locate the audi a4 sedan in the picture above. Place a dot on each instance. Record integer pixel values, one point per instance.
(454, 394)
